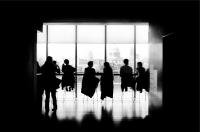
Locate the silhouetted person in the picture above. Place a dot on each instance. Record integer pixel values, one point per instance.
(57, 67)
(89, 82)
(107, 81)
(126, 74)
(140, 78)
(68, 79)
(49, 82)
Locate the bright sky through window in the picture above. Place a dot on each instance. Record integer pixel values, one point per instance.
(61, 34)
(91, 34)
(142, 32)
(120, 34)
(91, 43)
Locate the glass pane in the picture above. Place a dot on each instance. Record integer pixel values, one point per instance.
(61, 33)
(59, 52)
(91, 34)
(142, 33)
(120, 34)
(142, 54)
(90, 52)
(116, 53)
(41, 36)
(41, 53)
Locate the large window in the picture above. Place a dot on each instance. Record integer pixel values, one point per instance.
(142, 44)
(80, 43)
(90, 46)
(120, 45)
(61, 43)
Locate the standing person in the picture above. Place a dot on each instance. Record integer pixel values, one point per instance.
(140, 78)
(89, 82)
(107, 81)
(49, 81)
(68, 79)
(126, 74)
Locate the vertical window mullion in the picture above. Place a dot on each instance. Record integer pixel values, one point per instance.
(47, 40)
(105, 43)
(134, 47)
(76, 60)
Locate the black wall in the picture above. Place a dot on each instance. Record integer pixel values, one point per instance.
(20, 20)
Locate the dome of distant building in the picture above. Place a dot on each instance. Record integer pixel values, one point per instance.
(114, 53)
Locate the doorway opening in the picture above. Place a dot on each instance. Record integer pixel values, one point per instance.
(99, 42)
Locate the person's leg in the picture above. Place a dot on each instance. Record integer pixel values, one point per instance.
(53, 94)
(126, 88)
(139, 87)
(122, 87)
(126, 83)
(47, 92)
(122, 84)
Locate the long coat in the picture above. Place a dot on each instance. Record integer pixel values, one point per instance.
(107, 83)
(89, 82)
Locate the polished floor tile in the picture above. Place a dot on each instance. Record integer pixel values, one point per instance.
(123, 105)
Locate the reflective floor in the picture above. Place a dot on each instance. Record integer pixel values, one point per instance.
(128, 105)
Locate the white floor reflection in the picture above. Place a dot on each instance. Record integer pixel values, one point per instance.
(123, 105)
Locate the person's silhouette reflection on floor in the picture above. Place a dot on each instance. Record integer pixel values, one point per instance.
(49, 81)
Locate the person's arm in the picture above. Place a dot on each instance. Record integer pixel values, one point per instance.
(85, 72)
(112, 74)
(120, 72)
(63, 66)
(58, 69)
(94, 72)
(74, 69)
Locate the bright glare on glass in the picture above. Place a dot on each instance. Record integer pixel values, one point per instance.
(91, 34)
(142, 33)
(61, 33)
(90, 52)
(120, 34)
(116, 53)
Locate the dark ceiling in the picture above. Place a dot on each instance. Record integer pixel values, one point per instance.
(171, 16)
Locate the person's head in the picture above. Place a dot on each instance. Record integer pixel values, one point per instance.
(90, 63)
(49, 59)
(106, 64)
(139, 64)
(66, 61)
(126, 61)
(54, 62)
